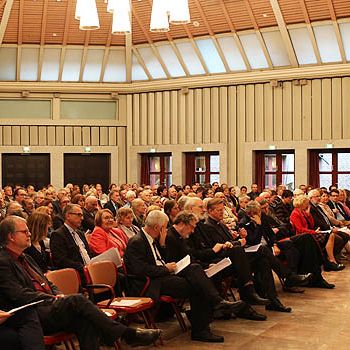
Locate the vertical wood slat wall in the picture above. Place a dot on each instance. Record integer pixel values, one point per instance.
(241, 114)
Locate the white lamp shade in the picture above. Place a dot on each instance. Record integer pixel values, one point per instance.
(121, 22)
(159, 16)
(89, 16)
(111, 5)
(117, 5)
(78, 9)
(179, 12)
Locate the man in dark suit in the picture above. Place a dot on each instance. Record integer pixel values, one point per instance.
(68, 245)
(22, 282)
(89, 210)
(114, 202)
(58, 219)
(143, 257)
(337, 209)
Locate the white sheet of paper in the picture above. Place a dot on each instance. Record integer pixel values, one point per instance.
(213, 270)
(24, 306)
(125, 302)
(183, 263)
(344, 229)
(111, 254)
(253, 248)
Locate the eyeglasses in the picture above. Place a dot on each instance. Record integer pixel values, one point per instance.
(23, 231)
(78, 214)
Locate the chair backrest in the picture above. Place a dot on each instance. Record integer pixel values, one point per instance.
(101, 272)
(66, 280)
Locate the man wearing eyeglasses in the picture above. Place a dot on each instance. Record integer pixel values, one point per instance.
(69, 247)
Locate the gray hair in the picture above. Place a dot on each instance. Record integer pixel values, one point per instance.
(191, 202)
(156, 217)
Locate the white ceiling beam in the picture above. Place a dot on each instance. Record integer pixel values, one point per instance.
(5, 19)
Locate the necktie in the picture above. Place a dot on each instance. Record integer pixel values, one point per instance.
(83, 252)
(159, 258)
(39, 282)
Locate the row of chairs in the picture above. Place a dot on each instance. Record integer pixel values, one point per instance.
(101, 278)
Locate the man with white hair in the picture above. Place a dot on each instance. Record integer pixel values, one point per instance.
(143, 257)
(129, 196)
(89, 211)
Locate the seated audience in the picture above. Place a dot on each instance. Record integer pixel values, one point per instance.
(171, 209)
(254, 192)
(89, 211)
(125, 218)
(337, 208)
(139, 209)
(114, 202)
(79, 199)
(58, 218)
(105, 235)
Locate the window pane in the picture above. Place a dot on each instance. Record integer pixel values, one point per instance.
(210, 56)
(276, 48)
(254, 51)
(151, 62)
(214, 178)
(168, 164)
(214, 164)
(168, 180)
(343, 161)
(287, 162)
(8, 56)
(325, 180)
(190, 57)
(171, 61)
(270, 181)
(154, 164)
(51, 64)
(154, 179)
(270, 162)
(325, 163)
(302, 45)
(288, 180)
(344, 180)
(29, 64)
(200, 163)
(71, 66)
(115, 68)
(70, 109)
(232, 54)
(93, 65)
(201, 179)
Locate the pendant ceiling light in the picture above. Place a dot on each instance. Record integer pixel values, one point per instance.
(121, 18)
(179, 12)
(88, 15)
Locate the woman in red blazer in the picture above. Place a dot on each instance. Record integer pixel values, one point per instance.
(303, 222)
(105, 235)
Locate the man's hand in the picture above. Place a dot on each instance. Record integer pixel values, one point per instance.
(171, 266)
(276, 250)
(243, 232)
(275, 230)
(217, 247)
(4, 316)
(243, 242)
(256, 219)
(228, 245)
(162, 236)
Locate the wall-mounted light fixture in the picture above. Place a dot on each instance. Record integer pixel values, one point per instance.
(272, 147)
(87, 149)
(199, 149)
(152, 150)
(26, 149)
(329, 145)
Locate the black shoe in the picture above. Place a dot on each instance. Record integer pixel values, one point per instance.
(276, 305)
(322, 283)
(224, 308)
(143, 337)
(250, 314)
(332, 266)
(207, 336)
(295, 280)
(250, 296)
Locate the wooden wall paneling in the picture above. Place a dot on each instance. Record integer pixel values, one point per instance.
(143, 119)
(86, 136)
(214, 116)
(158, 118)
(25, 135)
(173, 117)
(198, 116)
(259, 112)
(346, 107)
(278, 113)
(316, 105)
(16, 136)
(166, 118)
(77, 141)
(33, 135)
(336, 111)
(326, 109)
(241, 139)
(250, 113)
(103, 136)
(60, 136)
(95, 136)
(42, 136)
(68, 136)
(121, 138)
(232, 136)
(1, 131)
(51, 135)
(223, 113)
(297, 112)
(150, 119)
(136, 119)
(181, 117)
(189, 122)
(287, 123)
(112, 136)
(7, 136)
(268, 112)
(306, 111)
(206, 125)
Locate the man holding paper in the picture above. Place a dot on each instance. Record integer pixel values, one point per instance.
(145, 256)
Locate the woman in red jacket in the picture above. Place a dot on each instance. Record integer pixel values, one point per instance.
(105, 235)
(303, 222)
